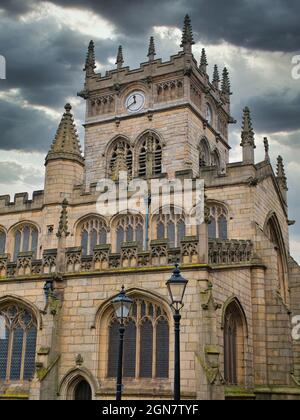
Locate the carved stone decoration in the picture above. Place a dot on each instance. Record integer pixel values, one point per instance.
(129, 254)
(73, 260)
(159, 252)
(79, 360)
(189, 250)
(229, 251)
(101, 257)
(24, 264)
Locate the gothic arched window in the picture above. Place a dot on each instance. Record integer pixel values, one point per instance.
(146, 342)
(275, 236)
(209, 113)
(26, 240)
(204, 154)
(82, 391)
(120, 158)
(171, 227)
(150, 156)
(217, 228)
(234, 344)
(2, 241)
(18, 332)
(215, 159)
(129, 228)
(93, 231)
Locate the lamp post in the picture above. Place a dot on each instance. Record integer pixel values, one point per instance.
(176, 287)
(122, 305)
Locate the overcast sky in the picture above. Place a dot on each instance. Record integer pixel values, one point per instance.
(45, 45)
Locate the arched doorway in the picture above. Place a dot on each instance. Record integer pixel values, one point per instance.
(82, 391)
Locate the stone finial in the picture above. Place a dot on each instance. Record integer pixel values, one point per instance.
(248, 142)
(216, 77)
(226, 82)
(120, 60)
(281, 177)
(66, 143)
(90, 63)
(63, 221)
(187, 36)
(203, 61)
(267, 148)
(151, 50)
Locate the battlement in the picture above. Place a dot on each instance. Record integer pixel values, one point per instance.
(21, 202)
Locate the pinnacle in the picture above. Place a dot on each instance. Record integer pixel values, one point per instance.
(66, 142)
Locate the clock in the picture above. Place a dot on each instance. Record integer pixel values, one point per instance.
(135, 102)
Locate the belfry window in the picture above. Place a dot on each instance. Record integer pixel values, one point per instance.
(26, 240)
(120, 158)
(150, 156)
(146, 346)
(217, 228)
(2, 241)
(171, 227)
(93, 232)
(18, 332)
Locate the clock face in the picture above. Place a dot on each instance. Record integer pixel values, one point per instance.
(135, 102)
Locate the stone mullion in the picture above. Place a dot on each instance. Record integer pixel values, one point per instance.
(23, 355)
(138, 339)
(154, 345)
(9, 353)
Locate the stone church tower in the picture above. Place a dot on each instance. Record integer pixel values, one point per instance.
(62, 262)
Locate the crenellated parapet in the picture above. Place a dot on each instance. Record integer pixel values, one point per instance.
(21, 202)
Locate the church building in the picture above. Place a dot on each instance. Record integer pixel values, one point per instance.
(62, 261)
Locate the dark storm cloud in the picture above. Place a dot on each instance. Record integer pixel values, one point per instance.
(268, 25)
(24, 129)
(273, 112)
(44, 60)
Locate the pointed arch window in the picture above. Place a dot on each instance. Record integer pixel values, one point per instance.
(234, 345)
(18, 331)
(215, 160)
(25, 240)
(146, 346)
(204, 154)
(275, 236)
(93, 231)
(218, 226)
(150, 156)
(129, 228)
(120, 158)
(171, 227)
(2, 241)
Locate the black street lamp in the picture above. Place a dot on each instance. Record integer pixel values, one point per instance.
(176, 287)
(122, 305)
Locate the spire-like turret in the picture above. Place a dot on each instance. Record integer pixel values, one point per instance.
(281, 177)
(151, 50)
(267, 148)
(90, 63)
(216, 77)
(226, 82)
(120, 60)
(187, 36)
(203, 61)
(248, 142)
(66, 142)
